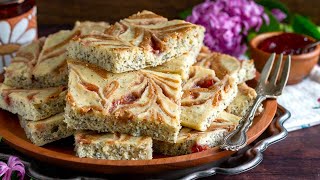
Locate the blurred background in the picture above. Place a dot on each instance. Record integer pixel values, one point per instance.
(61, 12)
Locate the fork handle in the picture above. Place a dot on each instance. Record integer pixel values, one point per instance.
(247, 121)
(238, 138)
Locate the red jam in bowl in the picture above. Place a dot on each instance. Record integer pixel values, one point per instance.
(286, 43)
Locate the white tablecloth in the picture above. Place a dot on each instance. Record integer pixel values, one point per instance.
(303, 101)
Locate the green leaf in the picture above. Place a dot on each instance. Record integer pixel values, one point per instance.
(184, 14)
(273, 25)
(303, 25)
(286, 27)
(274, 4)
(251, 35)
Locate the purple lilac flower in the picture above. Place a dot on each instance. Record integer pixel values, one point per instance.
(14, 164)
(278, 14)
(3, 168)
(227, 22)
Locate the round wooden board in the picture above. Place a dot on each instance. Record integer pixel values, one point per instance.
(63, 154)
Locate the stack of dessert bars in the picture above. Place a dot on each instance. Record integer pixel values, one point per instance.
(35, 84)
(142, 85)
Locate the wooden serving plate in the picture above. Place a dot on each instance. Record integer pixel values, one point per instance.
(62, 154)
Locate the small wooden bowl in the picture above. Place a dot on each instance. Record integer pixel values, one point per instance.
(301, 65)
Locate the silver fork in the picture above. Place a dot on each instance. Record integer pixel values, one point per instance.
(269, 86)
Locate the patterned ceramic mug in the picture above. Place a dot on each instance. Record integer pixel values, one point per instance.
(18, 26)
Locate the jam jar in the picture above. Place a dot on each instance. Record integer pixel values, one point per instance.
(18, 26)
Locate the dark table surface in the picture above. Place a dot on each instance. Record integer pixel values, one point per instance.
(296, 157)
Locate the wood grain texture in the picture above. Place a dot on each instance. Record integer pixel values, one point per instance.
(67, 12)
(296, 157)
